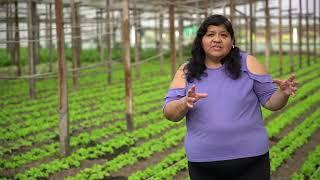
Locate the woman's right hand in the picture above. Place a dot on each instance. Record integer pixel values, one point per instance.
(192, 97)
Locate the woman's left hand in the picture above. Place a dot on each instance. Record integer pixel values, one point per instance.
(288, 86)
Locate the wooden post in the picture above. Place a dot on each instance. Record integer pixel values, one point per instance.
(10, 34)
(246, 29)
(238, 30)
(206, 7)
(181, 39)
(161, 39)
(62, 75)
(36, 26)
(17, 39)
(46, 23)
(114, 30)
(172, 38)
(137, 52)
(267, 34)
(8, 27)
(50, 38)
(75, 44)
(291, 39)
(251, 27)
(108, 41)
(300, 34)
(100, 36)
(31, 50)
(314, 32)
(127, 74)
(156, 30)
(255, 44)
(280, 39)
(197, 10)
(307, 31)
(232, 11)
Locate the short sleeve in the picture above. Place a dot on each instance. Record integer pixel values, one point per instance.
(263, 85)
(173, 94)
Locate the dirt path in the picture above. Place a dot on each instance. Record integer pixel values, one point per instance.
(294, 163)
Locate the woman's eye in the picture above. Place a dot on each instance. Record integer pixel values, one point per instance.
(224, 35)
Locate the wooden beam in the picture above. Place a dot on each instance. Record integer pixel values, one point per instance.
(300, 34)
(108, 41)
(161, 39)
(172, 38)
(291, 39)
(76, 36)
(62, 76)
(181, 60)
(314, 32)
(280, 39)
(17, 40)
(137, 50)
(251, 26)
(127, 66)
(31, 50)
(50, 38)
(267, 35)
(232, 11)
(307, 36)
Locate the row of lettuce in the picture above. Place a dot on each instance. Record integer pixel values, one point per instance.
(97, 171)
(103, 115)
(96, 106)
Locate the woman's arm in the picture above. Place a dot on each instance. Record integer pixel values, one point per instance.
(280, 98)
(286, 87)
(277, 101)
(175, 110)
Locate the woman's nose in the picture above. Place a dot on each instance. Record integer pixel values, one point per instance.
(216, 39)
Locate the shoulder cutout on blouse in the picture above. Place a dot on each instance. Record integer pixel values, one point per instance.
(179, 80)
(255, 67)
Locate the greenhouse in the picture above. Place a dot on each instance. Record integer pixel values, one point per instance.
(84, 84)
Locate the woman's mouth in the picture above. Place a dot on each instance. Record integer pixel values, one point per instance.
(216, 47)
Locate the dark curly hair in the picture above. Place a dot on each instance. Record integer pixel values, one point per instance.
(194, 69)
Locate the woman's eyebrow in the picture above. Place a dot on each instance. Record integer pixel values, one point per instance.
(223, 31)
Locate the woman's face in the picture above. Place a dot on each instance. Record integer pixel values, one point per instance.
(217, 42)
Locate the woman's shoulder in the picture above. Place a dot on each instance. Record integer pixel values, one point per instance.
(253, 65)
(255, 69)
(179, 80)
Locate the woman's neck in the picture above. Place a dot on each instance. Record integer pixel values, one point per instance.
(213, 63)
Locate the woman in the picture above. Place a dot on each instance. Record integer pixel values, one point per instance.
(219, 91)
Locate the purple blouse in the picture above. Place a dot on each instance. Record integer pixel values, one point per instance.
(228, 123)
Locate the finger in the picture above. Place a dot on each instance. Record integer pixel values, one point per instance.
(201, 95)
(294, 88)
(191, 91)
(290, 83)
(193, 88)
(191, 100)
(291, 78)
(277, 81)
(293, 84)
(190, 106)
